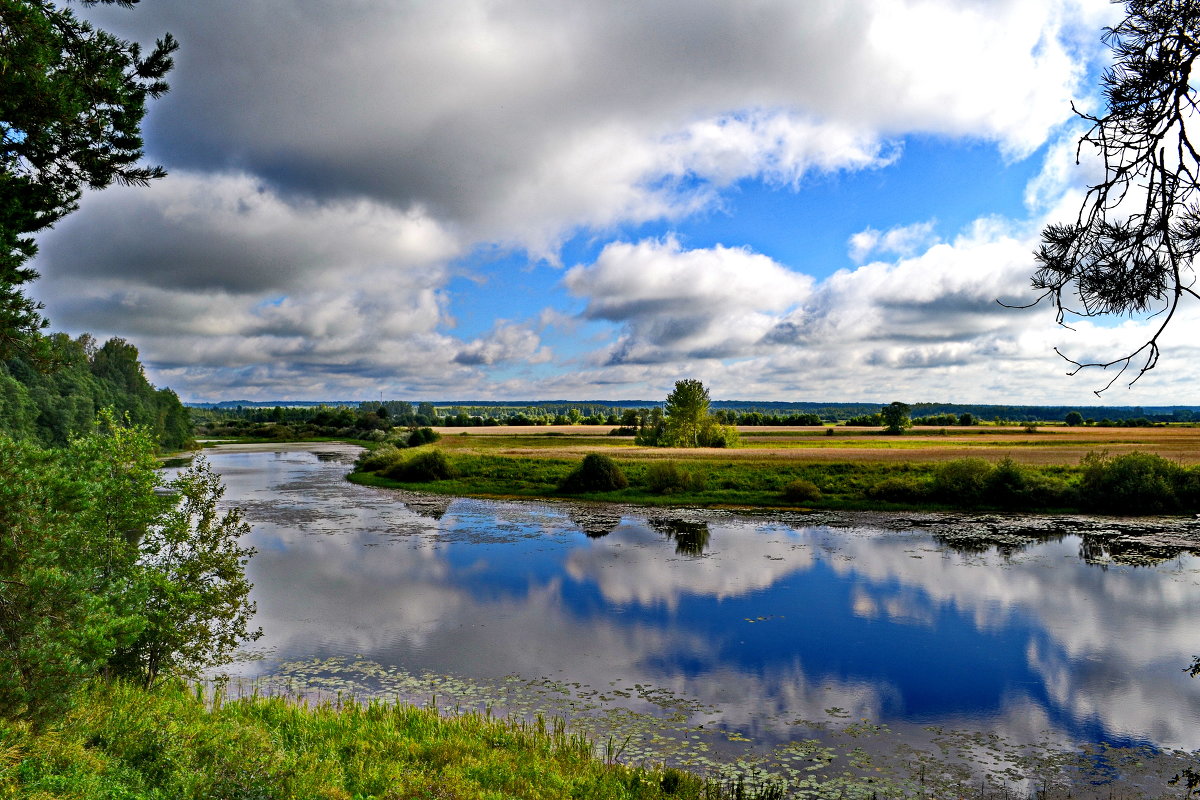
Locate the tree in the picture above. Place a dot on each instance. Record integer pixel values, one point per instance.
(686, 411)
(192, 573)
(71, 110)
(1131, 248)
(895, 417)
(1073, 419)
(101, 572)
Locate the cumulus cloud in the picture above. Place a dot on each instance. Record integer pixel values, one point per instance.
(331, 166)
(506, 342)
(674, 302)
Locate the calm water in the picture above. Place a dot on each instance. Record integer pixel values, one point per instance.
(746, 626)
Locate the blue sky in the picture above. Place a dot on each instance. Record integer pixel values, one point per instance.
(549, 199)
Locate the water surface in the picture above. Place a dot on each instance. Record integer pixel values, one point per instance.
(764, 633)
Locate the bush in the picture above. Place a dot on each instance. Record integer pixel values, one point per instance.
(666, 477)
(963, 480)
(801, 491)
(381, 458)
(1007, 484)
(900, 489)
(597, 473)
(420, 436)
(431, 465)
(719, 436)
(1133, 483)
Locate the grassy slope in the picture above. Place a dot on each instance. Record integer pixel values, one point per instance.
(123, 742)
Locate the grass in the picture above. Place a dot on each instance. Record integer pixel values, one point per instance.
(129, 743)
(851, 469)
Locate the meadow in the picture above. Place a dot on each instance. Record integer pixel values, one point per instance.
(1113, 470)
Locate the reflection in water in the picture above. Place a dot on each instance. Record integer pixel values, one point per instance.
(690, 537)
(594, 521)
(776, 632)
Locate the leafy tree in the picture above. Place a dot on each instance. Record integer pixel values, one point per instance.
(100, 572)
(894, 417)
(70, 116)
(1131, 248)
(191, 572)
(686, 411)
(1073, 419)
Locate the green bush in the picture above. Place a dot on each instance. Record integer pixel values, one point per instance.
(431, 465)
(963, 480)
(666, 477)
(719, 436)
(420, 436)
(380, 459)
(801, 490)
(597, 473)
(1134, 483)
(1007, 484)
(900, 489)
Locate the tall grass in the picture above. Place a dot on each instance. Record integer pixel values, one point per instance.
(125, 742)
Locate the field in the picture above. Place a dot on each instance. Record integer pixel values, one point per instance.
(1144, 470)
(1047, 446)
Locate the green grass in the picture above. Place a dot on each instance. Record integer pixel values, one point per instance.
(125, 743)
(734, 483)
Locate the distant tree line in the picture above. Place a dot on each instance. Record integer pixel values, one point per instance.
(55, 397)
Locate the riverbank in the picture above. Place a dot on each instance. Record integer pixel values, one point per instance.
(127, 742)
(809, 472)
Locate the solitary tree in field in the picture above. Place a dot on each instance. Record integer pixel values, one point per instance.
(687, 411)
(1131, 248)
(1073, 419)
(895, 417)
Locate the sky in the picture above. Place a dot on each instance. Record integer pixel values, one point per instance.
(566, 199)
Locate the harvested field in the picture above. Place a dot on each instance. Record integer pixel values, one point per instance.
(1047, 446)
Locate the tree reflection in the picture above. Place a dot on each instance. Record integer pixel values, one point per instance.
(690, 537)
(595, 522)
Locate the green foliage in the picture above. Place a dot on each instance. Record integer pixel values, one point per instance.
(192, 571)
(714, 435)
(70, 116)
(667, 477)
(1135, 483)
(686, 411)
(900, 489)
(1073, 419)
(596, 473)
(54, 404)
(123, 742)
(380, 459)
(962, 481)
(421, 436)
(85, 573)
(423, 467)
(894, 417)
(801, 490)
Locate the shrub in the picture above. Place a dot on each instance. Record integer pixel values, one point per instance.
(900, 489)
(719, 436)
(597, 473)
(431, 465)
(666, 477)
(1132, 483)
(381, 458)
(1007, 484)
(801, 491)
(420, 436)
(962, 480)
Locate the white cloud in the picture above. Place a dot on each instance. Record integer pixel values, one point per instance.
(675, 302)
(902, 240)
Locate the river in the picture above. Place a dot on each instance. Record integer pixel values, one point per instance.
(706, 638)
